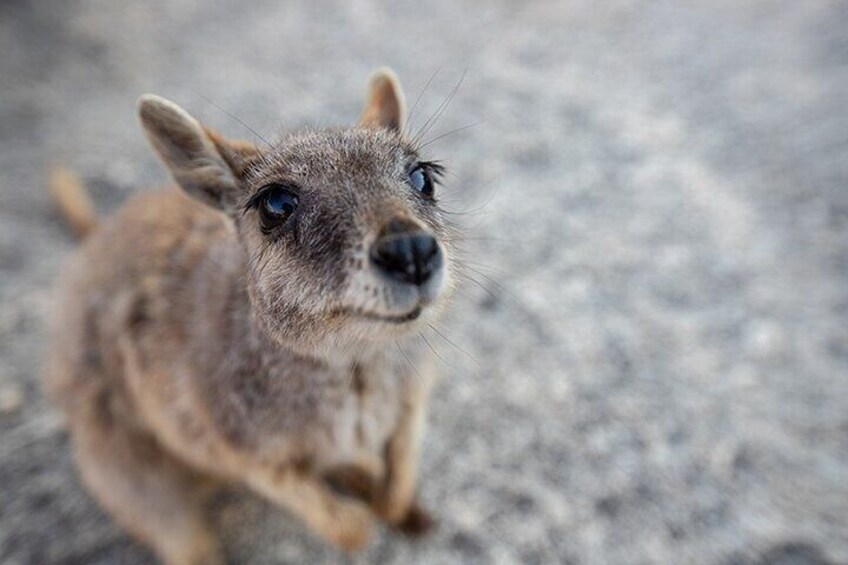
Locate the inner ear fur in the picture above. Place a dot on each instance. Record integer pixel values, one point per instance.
(385, 106)
(202, 162)
(238, 153)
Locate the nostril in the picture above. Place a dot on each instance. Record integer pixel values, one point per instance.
(408, 257)
(393, 253)
(426, 254)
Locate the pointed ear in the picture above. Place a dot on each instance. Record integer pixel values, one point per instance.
(203, 163)
(386, 106)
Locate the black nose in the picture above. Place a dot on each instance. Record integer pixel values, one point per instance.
(407, 256)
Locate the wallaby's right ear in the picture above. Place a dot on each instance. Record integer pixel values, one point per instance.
(192, 156)
(386, 106)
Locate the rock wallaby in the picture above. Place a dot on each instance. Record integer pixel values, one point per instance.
(258, 324)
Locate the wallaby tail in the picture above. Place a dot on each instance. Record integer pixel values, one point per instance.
(73, 201)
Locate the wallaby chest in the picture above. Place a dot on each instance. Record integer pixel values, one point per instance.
(294, 408)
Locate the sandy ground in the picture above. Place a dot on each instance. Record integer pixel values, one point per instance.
(657, 368)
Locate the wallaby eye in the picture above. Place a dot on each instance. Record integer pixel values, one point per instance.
(420, 180)
(277, 203)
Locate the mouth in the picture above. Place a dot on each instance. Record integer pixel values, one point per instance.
(399, 319)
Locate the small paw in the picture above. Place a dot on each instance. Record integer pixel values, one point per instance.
(417, 522)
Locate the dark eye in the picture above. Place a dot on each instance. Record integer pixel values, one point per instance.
(276, 205)
(421, 181)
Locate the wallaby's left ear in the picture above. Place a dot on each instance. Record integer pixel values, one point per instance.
(386, 106)
(203, 163)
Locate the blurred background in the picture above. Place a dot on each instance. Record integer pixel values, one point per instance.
(652, 365)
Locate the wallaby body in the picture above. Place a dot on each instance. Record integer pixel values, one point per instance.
(261, 336)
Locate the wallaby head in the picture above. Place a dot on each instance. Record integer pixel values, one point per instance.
(344, 241)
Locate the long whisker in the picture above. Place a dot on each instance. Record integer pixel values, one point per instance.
(493, 270)
(485, 288)
(475, 267)
(472, 211)
(420, 94)
(492, 281)
(239, 120)
(448, 340)
(485, 238)
(433, 349)
(449, 133)
(408, 361)
(439, 111)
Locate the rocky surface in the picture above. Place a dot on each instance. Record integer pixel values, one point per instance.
(652, 364)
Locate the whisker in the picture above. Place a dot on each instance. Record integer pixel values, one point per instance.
(488, 291)
(448, 340)
(433, 349)
(420, 94)
(472, 211)
(497, 284)
(494, 270)
(481, 238)
(239, 120)
(439, 111)
(449, 133)
(408, 361)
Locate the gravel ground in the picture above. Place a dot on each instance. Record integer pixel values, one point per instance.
(653, 367)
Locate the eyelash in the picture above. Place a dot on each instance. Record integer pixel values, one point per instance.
(434, 168)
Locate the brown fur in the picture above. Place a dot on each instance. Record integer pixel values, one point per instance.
(190, 347)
